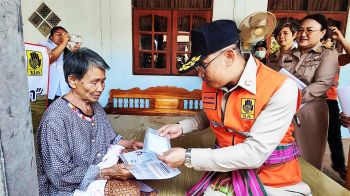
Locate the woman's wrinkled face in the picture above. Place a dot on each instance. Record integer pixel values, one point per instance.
(285, 37)
(90, 87)
(309, 34)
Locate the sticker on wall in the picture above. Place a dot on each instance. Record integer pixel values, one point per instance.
(34, 63)
(37, 63)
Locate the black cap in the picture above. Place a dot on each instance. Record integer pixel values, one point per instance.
(208, 39)
(260, 44)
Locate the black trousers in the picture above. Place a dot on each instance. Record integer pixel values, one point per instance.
(334, 135)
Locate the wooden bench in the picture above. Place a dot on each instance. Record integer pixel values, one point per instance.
(164, 104)
(162, 100)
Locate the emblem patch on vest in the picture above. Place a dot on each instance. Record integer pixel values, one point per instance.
(209, 101)
(247, 108)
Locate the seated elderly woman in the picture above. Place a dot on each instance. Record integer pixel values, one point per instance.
(75, 133)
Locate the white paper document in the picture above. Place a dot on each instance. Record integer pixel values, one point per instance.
(155, 143)
(146, 164)
(301, 85)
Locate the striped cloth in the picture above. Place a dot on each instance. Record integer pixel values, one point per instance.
(243, 182)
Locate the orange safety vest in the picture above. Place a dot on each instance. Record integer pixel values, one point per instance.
(242, 108)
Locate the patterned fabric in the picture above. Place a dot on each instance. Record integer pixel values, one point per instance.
(79, 112)
(243, 182)
(68, 146)
(121, 188)
(125, 188)
(283, 153)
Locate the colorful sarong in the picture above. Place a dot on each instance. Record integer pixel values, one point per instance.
(243, 182)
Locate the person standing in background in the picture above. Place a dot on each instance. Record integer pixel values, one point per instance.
(334, 132)
(260, 51)
(316, 66)
(57, 44)
(285, 34)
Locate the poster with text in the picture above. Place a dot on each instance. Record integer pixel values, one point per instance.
(37, 68)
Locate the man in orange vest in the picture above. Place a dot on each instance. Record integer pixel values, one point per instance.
(249, 107)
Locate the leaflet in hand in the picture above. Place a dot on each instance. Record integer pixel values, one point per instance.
(301, 85)
(155, 143)
(146, 164)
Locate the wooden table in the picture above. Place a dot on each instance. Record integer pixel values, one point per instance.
(320, 183)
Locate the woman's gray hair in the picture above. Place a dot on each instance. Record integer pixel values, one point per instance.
(78, 63)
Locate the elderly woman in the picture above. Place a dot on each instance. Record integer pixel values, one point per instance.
(285, 34)
(75, 133)
(316, 66)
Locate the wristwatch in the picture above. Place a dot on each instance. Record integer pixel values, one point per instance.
(188, 158)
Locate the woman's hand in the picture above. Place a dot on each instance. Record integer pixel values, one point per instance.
(170, 131)
(119, 171)
(336, 33)
(131, 144)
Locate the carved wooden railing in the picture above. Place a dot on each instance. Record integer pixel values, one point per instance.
(161, 100)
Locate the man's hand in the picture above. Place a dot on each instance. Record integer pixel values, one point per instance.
(75, 47)
(65, 38)
(170, 131)
(49, 51)
(173, 157)
(345, 121)
(117, 171)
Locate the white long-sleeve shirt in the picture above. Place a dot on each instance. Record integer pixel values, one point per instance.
(267, 131)
(57, 84)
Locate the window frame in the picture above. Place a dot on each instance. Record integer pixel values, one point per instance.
(171, 42)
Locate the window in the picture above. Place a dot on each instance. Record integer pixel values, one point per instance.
(161, 33)
(44, 19)
(335, 10)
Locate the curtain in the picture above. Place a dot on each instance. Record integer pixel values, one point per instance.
(151, 3)
(287, 5)
(197, 21)
(160, 23)
(328, 5)
(145, 23)
(183, 24)
(193, 3)
(202, 4)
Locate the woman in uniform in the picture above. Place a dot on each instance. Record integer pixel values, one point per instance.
(316, 66)
(285, 34)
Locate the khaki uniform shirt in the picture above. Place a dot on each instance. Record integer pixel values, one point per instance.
(317, 69)
(274, 59)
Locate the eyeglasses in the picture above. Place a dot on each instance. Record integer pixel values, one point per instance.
(307, 31)
(204, 66)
